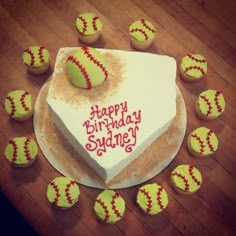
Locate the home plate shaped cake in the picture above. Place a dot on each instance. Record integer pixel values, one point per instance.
(111, 124)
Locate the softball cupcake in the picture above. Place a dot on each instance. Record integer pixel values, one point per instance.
(202, 142)
(142, 33)
(21, 151)
(86, 68)
(18, 105)
(36, 59)
(152, 199)
(89, 27)
(63, 192)
(210, 104)
(193, 67)
(109, 207)
(186, 179)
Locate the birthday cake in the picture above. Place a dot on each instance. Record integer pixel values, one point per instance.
(111, 124)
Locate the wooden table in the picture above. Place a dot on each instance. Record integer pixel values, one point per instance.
(206, 27)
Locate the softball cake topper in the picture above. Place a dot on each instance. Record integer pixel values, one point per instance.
(186, 179)
(109, 206)
(152, 198)
(18, 105)
(21, 151)
(86, 68)
(210, 104)
(193, 67)
(63, 192)
(202, 142)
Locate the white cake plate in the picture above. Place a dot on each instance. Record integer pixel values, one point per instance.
(63, 157)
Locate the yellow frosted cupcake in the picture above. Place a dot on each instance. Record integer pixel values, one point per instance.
(37, 59)
(186, 179)
(210, 104)
(193, 67)
(21, 151)
(18, 105)
(202, 142)
(89, 27)
(142, 34)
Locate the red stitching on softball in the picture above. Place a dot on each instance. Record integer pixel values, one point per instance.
(96, 62)
(67, 190)
(184, 179)
(117, 213)
(56, 188)
(141, 31)
(195, 68)
(13, 107)
(147, 27)
(159, 198)
(95, 18)
(26, 149)
(105, 209)
(85, 25)
(209, 133)
(208, 104)
(195, 59)
(42, 60)
(216, 99)
(82, 69)
(149, 200)
(22, 100)
(190, 169)
(32, 61)
(200, 141)
(13, 143)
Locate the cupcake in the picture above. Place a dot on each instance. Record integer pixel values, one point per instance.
(109, 207)
(193, 67)
(210, 104)
(37, 59)
(142, 34)
(63, 192)
(21, 151)
(186, 179)
(89, 27)
(18, 105)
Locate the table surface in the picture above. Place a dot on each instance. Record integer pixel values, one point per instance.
(183, 26)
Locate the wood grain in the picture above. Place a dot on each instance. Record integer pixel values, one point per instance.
(206, 27)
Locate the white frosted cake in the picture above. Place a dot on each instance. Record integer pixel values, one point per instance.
(112, 124)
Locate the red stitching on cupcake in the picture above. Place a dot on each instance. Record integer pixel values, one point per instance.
(195, 59)
(85, 24)
(208, 104)
(105, 209)
(201, 142)
(13, 107)
(42, 60)
(95, 18)
(190, 169)
(159, 198)
(195, 68)
(32, 60)
(95, 61)
(82, 69)
(14, 145)
(216, 99)
(146, 26)
(22, 100)
(67, 190)
(56, 188)
(117, 213)
(149, 199)
(141, 31)
(26, 149)
(209, 133)
(186, 188)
